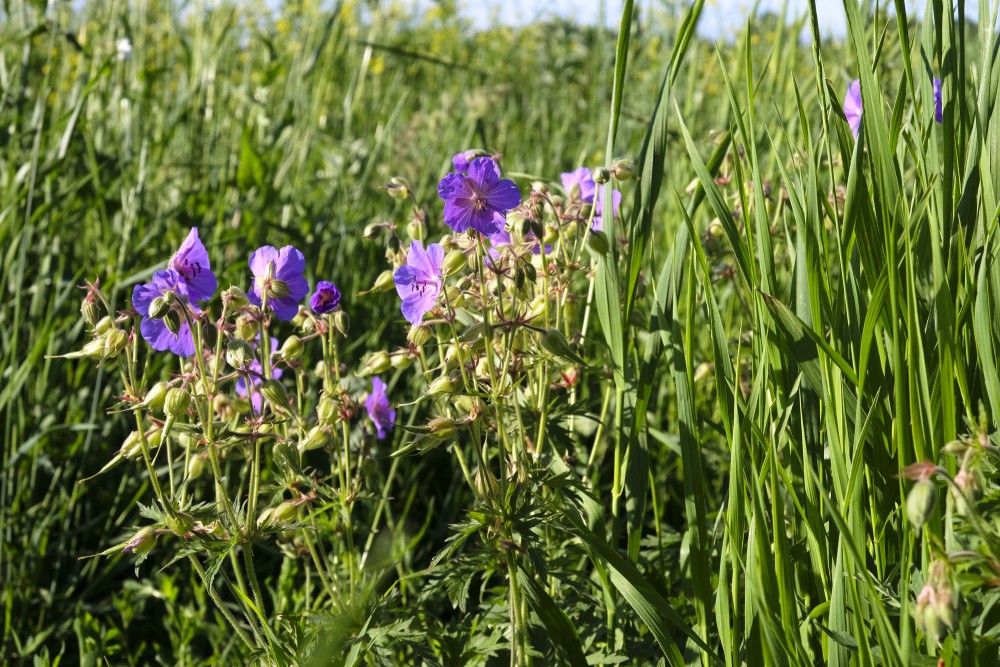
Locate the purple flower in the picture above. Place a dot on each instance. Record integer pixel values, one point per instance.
(278, 274)
(379, 410)
(937, 101)
(502, 239)
(325, 298)
(255, 373)
(460, 162)
(167, 284)
(852, 106)
(480, 200)
(418, 282)
(191, 262)
(580, 184)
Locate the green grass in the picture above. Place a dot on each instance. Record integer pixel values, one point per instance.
(791, 319)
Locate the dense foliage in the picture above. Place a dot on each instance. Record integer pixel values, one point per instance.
(750, 419)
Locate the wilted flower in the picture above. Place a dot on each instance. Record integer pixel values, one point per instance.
(418, 282)
(379, 410)
(937, 101)
(479, 200)
(325, 298)
(254, 376)
(852, 106)
(191, 262)
(278, 277)
(579, 184)
(170, 331)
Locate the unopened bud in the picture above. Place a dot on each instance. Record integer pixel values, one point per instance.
(453, 262)
(372, 231)
(292, 348)
(316, 438)
(239, 354)
(441, 427)
(377, 362)
(598, 242)
(419, 334)
(442, 385)
(142, 542)
(342, 322)
(415, 229)
(173, 321)
(624, 170)
(276, 396)
(114, 343)
(541, 187)
(455, 296)
(920, 503)
(327, 410)
(234, 297)
(179, 523)
(195, 466)
(277, 289)
(176, 403)
(91, 311)
(601, 175)
(398, 188)
(155, 397)
(94, 349)
(246, 327)
(286, 459)
(384, 282)
(158, 307)
(401, 360)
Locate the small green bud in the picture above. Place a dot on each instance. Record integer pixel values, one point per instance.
(384, 282)
(155, 397)
(920, 503)
(377, 362)
(239, 354)
(401, 361)
(398, 188)
(277, 289)
(598, 242)
(196, 466)
(104, 325)
(176, 403)
(173, 321)
(114, 343)
(624, 170)
(419, 334)
(341, 322)
(415, 229)
(442, 427)
(234, 297)
(180, 523)
(276, 396)
(551, 235)
(246, 327)
(292, 348)
(327, 410)
(530, 273)
(316, 438)
(142, 542)
(453, 262)
(286, 458)
(372, 231)
(91, 311)
(601, 175)
(158, 307)
(442, 385)
(455, 296)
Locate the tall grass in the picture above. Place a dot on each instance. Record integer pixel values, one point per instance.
(790, 320)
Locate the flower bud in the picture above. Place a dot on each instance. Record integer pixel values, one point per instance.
(91, 312)
(114, 343)
(624, 170)
(104, 325)
(239, 354)
(341, 322)
(275, 395)
(372, 231)
(419, 334)
(142, 542)
(234, 297)
(377, 362)
(277, 289)
(551, 235)
(155, 397)
(920, 503)
(246, 327)
(384, 282)
(415, 229)
(179, 523)
(401, 361)
(453, 262)
(455, 296)
(292, 348)
(445, 384)
(601, 175)
(195, 466)
(286, 459)
(158, 307)
(398, 188)
(176, 403)
(441, 427)
(327, 410)
(471, 405)
(316, 438)
(598, 242)
(173, 321)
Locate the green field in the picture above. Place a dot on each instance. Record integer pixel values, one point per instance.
(751, 420)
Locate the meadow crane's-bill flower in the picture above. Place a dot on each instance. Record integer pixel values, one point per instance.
(278, 279)
(325, 299)
(419, 282)
(379, 410)
(579, 184)
(479, 200)
(192, 264)
(166, 327)
(852, 106)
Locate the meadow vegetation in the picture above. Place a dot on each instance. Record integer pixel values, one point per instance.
(749, 416)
